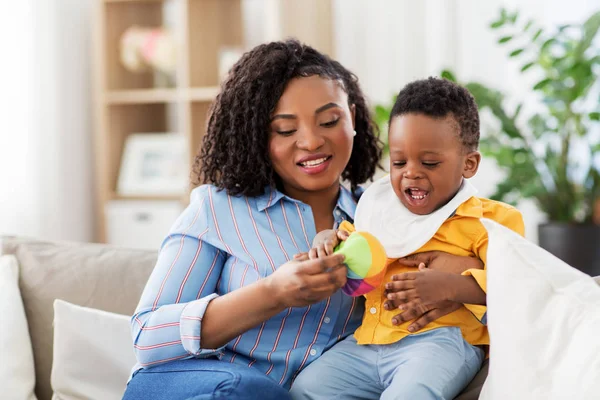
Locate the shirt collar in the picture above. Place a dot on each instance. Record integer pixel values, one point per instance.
(470, 208)
(346, 202)
(271, 196)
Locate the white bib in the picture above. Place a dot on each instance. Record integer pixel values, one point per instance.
(381, 213)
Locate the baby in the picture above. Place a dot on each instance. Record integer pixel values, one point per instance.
(425, 204)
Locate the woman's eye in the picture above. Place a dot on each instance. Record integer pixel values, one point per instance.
(286, 133)
(330, 124)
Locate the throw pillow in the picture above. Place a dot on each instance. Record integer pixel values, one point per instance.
(544, 323)
(93, 353)
(17, 374)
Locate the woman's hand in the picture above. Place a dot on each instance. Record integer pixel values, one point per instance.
(423, 315)
(441, 261)
(302, 281)
(325, 242)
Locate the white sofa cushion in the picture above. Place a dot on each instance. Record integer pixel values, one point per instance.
(91, 275)
(17, 374)
(93, 353)
(544, 323)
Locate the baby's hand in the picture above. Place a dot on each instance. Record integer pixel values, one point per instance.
(423, 288)
(325, 242)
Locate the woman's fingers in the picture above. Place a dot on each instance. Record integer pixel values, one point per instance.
(425, 319)
(320, 265)
(312, 254)
(326, 282)
(437, 311)
(405, 316)
(410, 305)
(415, 259)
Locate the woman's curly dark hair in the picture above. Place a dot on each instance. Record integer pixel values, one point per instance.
(235, 154)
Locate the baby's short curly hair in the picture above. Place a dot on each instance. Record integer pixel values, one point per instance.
(437, 98)
(235, 151)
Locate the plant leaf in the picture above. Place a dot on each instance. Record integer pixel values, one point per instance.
(527, 66)
(505, 39)
(541, 84)
(590, 29)
(516, 52)
(594, 116)
(537, 35)
(528, 25)
(497, 24)
(447, 74)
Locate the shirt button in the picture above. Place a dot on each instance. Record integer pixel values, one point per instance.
(373, 310)
(327, 320)
(313, 352)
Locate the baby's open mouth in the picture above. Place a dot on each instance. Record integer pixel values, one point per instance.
(417, 194)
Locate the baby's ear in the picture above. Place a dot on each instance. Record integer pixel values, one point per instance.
(472, 161)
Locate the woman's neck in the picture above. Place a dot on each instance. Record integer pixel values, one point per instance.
(321, 202)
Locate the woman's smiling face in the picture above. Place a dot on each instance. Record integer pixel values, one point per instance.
(311, 134)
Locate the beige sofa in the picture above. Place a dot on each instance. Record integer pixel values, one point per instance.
(90, 275)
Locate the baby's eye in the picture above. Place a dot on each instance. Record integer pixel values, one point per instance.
(430, 164)
(399, 163)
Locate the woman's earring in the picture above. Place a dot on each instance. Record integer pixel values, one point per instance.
(354, 134)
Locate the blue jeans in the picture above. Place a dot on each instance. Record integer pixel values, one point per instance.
(202, 379)
(436, 364)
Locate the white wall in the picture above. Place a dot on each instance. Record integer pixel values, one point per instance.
(46, 163)
(389, 43)
(45, 142)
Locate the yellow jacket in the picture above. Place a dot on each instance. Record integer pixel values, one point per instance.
(464, 235)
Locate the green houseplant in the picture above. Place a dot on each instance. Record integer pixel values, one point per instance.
(550, 152)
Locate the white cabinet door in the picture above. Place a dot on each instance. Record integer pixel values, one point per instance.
(140, 224)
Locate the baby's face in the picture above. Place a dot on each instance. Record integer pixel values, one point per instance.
(428, 161)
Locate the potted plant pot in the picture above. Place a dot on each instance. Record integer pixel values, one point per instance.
(576, 244)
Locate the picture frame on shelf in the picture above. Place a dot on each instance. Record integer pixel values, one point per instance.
(154, 164)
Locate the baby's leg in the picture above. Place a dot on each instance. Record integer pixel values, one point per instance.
(437, 364)
(346, 371)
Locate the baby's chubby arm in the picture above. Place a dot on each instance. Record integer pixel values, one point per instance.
(326, 241)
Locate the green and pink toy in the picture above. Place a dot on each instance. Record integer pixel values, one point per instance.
(366, 262)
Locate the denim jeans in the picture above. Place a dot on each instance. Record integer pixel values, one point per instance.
(433, 365)
(202, 379)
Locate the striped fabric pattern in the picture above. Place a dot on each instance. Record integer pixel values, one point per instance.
(221, 243)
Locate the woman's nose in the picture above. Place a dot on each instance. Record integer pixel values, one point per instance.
(310, 140)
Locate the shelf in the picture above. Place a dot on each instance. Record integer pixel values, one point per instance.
(135, 1)
(141, 96)
(152, 96)
(203, 94)
(116, 196)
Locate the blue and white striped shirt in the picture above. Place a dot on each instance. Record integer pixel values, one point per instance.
(219, 244)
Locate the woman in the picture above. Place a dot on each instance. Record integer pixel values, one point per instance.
(229, 310)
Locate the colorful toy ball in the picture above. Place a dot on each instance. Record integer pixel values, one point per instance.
(366, 261)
